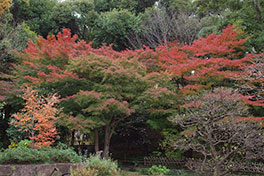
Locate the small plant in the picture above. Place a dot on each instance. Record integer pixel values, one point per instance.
(24, 144)
(104, 167)
(83, 172)
(136, 163)
(156, 170)
(12, 145)
(61, 146)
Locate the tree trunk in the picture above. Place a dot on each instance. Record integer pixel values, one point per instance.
(259, 16)
(72, 138)
(96, 141)
(32, 131)
(4, 123)
(108, 135)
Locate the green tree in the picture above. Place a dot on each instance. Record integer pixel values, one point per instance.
(79, 16)
(246, 15)
(183, 6)
(113, 27)
(12, 38)
(135, 6)
(36, 14)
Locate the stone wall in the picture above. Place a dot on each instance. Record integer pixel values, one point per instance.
(37, 169)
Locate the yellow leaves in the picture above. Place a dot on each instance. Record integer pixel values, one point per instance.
(4, 5)
(12, 145)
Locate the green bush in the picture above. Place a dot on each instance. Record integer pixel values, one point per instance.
(83, 172)
(156, 170)
(104, 167)
(24, 144)
(23, 154)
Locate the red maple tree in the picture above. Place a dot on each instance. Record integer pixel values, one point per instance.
(215, 60)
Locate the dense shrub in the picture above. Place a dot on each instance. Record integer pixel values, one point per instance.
(104, 167)
(156, 170)
(83, 172)
(23, 154)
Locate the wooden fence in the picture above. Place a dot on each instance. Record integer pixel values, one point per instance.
(169, 162)
(257, 168)
(248, 167)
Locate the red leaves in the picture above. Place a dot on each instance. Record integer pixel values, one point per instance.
(62, 46)
(223, 45)
(216, 51)
(207, 62)
(211, 61)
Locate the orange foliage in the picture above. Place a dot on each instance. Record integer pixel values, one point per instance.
(4, 5)
(38, 117)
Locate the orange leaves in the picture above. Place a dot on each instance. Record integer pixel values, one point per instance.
(38, 117)
(4, 5)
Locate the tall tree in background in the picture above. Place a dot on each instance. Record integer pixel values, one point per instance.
(135, 6)
(246, 15)
(160, 26)
(79, 16)
(36, 14)
(112, 28)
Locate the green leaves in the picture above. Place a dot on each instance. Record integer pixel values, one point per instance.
(112, 28)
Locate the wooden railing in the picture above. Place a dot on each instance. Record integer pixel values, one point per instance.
(248, 167)
(169, 162)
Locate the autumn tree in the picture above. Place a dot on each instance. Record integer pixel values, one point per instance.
(38, 117)
(208, 62)
(99, 87)
(212, 126)
(251, 80)
(117, 84)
